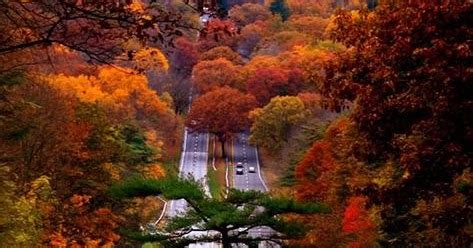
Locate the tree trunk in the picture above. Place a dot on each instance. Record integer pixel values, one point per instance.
(222, 143)
(225, 240)
(200, 5)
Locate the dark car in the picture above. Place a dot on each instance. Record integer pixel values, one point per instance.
(239, 168)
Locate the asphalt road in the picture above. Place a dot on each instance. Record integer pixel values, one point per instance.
(247, 154)
(193, 164)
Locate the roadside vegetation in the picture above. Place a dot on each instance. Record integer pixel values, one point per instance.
(361, 110)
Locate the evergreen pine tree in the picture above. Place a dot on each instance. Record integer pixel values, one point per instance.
(228, 220)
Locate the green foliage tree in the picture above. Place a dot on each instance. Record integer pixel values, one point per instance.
(10, 221)
(227, 220)
(272, 124)
(21, 216)
(279, 7)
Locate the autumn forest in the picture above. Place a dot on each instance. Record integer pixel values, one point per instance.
(236, 123)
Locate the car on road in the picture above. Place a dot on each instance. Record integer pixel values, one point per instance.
(251, 169)
(239, 168)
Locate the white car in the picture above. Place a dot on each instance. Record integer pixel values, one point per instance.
(239, 171)
(251, 169)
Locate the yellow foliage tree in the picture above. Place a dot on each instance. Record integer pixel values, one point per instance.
(151, 59)
(272, 124)
(126, 95)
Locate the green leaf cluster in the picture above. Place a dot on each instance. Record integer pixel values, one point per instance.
(231, 217)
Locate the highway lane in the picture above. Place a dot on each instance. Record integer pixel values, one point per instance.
(248, 155)
(193, 164)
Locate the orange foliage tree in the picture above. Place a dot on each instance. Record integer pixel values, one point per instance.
(313, 25)
(208, 75)
(307, 7)
(248, 39)
(322, 176)
(45, 137)
(222, 52)
(93, 28)
(223, 112)
(259, 62)
(310, 60)
(315, 172)
(81, 226)
(46, 143)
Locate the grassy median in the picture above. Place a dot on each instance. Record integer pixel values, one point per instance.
(216, 178)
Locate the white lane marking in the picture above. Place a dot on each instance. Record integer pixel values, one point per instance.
(259, 169)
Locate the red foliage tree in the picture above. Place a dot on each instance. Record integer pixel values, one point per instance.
(314, 172)
(356, 220)
(406, 69)
(267, 83)
(184, 57)
(217, 33)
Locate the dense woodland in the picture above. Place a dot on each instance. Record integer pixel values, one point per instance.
(365, 107)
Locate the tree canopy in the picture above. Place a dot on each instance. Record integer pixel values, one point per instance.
(223, 112)
(272, 124)
(209, 75)
(405, 71)
(229, 220)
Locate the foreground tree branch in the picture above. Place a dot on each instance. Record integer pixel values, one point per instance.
(96, 29)
(228, 221)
